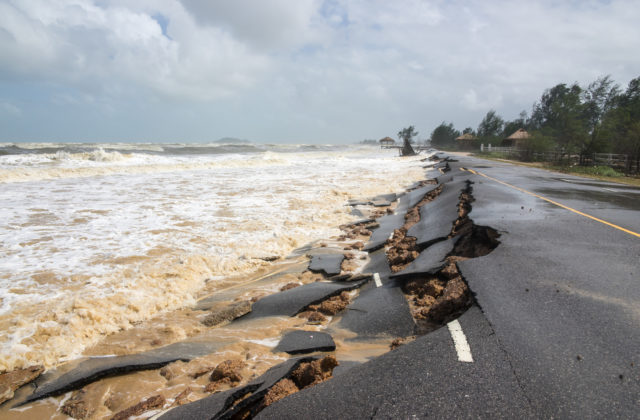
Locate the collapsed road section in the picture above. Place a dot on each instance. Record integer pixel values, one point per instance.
(388, 279)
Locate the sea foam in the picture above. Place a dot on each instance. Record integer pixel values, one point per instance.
(92, 246)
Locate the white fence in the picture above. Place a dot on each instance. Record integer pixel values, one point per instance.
(610, 159)
(489, 148)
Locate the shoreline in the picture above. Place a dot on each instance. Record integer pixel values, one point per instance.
(184, 324)
(107, 269)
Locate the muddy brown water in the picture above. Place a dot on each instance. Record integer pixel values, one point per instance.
(249, 341)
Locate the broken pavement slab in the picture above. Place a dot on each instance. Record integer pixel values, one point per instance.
(227, 314)
(382, 200)
(208, 407)
(329, 264)
(380, 235)
(391, 222)
(437, 216)
(10, 381)
(95, 368)
(413, 197)
(221, 405)
(378, 312)
(358, 223)
(378, 263)
(298, 342)
(293, 301)
(380, 203)
(430, 260)
(351, 277)
(421, 379)
(386, 197)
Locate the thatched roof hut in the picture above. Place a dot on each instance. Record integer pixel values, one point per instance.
(466, 141)
(387, 142)
(517, 139)
(466, 136)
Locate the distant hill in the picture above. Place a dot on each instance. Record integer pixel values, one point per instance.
(232, 140)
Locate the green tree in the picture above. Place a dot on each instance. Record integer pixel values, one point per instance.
(559, 114)
(537, 143)
(621, 124)
(490, 128)
(510, 127)
(599, 98)
(444, 135)
(468, 130)
(407, 135)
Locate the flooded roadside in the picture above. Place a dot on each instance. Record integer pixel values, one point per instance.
(363, 300)
(246, 343)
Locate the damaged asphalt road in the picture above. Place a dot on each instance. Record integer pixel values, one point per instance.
(497, 304)
(556, 330)
(562, 291)
(422, 379)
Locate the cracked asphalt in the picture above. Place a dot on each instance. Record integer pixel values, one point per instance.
(556, 329)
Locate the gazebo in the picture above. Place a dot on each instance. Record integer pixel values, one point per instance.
(518, 139)
(466, 141)
(387, 143)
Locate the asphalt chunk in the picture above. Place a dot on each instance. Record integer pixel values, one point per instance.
(227, 314)
(293, 301)
(226, 404)
(328, 264)
(412, 198)
(430, 261)
(387, 197)
(379, 312)
(437, 216)
(381, 234)
(96, 368)
(209, 407)
(298, 342)
(422, 379)
(378, 264)
(11, 381)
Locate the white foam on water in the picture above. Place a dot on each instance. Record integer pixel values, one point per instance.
(92, 244)
(267, 342)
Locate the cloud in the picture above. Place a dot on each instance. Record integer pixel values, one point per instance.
(270, 24)
(81, 43)
(313, 70)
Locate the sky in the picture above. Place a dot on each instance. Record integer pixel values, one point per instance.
(293, 71)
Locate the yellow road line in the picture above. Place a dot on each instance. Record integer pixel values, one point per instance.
(555, 203)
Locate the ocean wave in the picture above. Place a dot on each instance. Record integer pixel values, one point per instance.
(98, 155)
(75, 269)
(113, 163)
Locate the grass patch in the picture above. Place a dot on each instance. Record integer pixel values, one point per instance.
(492, 155)
(590, 170)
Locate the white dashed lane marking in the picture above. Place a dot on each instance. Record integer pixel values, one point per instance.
(376, 279)
(460, 342)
